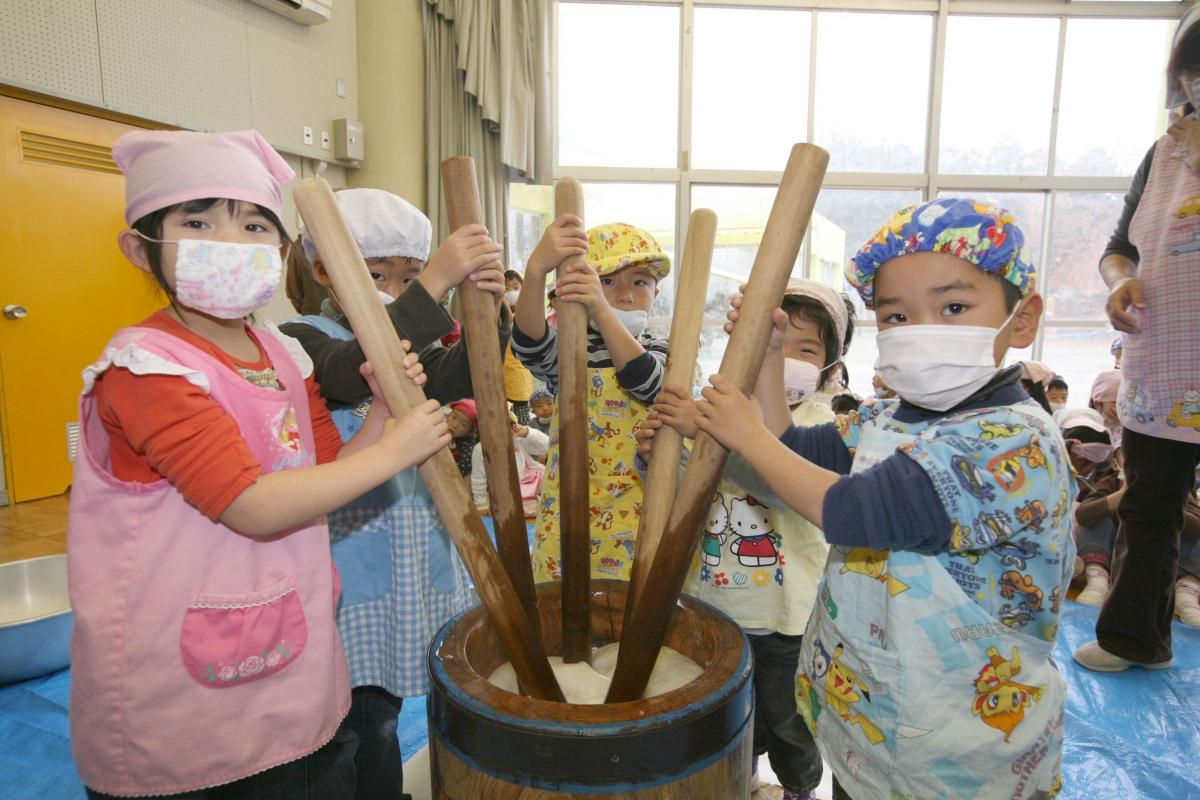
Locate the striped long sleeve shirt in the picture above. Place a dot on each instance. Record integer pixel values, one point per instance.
(642, 377)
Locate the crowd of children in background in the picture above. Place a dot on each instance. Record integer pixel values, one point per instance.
(960, 491)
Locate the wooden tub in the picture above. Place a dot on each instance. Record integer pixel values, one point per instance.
(693, 742)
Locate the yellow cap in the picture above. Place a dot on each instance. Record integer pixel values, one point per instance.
(615, 246)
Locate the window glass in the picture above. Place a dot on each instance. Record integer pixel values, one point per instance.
(741, 119)
(1083, 221)
(1111, 108)
(989, 129)
(618, 109)
(872, 104)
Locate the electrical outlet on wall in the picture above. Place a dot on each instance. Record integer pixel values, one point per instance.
(324, 140)
(308, 134)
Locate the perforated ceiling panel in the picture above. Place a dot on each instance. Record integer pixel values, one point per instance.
(50, 46)
(182, 62)
(295, 69)
(199, 64)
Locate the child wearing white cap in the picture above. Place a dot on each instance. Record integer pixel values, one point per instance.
(402, 578)
(204, 651)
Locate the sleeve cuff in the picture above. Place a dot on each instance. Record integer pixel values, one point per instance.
(418, 317)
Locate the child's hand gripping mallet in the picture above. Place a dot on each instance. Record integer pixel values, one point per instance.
(487, 380)
(691, 289)
(790, 213)
(574, 517)
(373, 328)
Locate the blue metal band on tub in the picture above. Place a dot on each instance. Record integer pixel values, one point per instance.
(605, 758)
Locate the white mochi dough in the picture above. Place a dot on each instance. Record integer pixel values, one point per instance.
(584, 683)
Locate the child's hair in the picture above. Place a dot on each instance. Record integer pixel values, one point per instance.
(1082, 433)
(1012, 295)
(809, 309)
(844, 403)
(1038, 393)
(1185, 57)
(512, 274)
(1058, 383)
(150, 227)
(302, 289)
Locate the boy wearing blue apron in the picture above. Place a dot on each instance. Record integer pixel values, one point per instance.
(401, 578)
(926, 667)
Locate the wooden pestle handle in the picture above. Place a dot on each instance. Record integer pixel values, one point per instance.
(574, 517)
(491, 404)
(691, 290)
(377, 336)
(773, 264)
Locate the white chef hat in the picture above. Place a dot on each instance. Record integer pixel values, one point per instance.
(384, 225)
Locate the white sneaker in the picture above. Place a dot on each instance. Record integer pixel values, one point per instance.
(1187, 601)
(1094, 657)
(1094, 594)
(1096, 591)
(1188, 615)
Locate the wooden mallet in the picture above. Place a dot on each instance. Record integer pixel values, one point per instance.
(491, 404)
(376, 335)
(691, 290)
(776, 257)
(575, 562)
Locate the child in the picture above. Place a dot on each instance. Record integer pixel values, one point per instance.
(926, 667)
(1099, 490)
(1035, 377)
(1057, 392)
(541, 404)
(530, 448)
(204, 650)
(761, 563)
(402, 577)
(461, 418)
(1105, 390)
(625, 367)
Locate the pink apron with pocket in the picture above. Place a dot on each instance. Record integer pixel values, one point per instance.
(200, 656)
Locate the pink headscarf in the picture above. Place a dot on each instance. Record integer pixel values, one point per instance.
(1106, 386)
(164, 168)
(1037, 372)
(466, 407)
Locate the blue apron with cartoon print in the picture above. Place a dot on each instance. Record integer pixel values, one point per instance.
(913, 689)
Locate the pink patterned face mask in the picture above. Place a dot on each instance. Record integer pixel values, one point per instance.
(227, 280)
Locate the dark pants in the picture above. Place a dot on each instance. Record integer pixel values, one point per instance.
(779, 731)
(1094, 545)
(374, 714)
(323, 775)
(1135, 622)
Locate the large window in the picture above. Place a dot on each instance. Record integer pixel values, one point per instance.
(669, 105)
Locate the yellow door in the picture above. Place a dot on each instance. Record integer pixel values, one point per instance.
(64, 285)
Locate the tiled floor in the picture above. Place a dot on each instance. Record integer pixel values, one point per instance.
(36, 528)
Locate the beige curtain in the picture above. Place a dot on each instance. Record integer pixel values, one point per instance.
(487, 95)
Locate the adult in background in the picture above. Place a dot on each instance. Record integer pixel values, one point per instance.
(1152, 269)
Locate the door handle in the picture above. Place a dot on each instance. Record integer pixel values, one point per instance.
(13, 311)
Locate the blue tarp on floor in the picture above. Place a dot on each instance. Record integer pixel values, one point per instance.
(1132, 736)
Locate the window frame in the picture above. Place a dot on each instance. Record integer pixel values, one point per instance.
(929, 182)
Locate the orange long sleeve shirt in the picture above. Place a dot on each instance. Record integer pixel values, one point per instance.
(162, 426)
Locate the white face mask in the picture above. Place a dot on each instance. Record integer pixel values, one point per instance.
(227, 280)
(938, 366)
(800, 379)
(1057, 406)
(634, 321)
(384, 296)
(512, 296)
